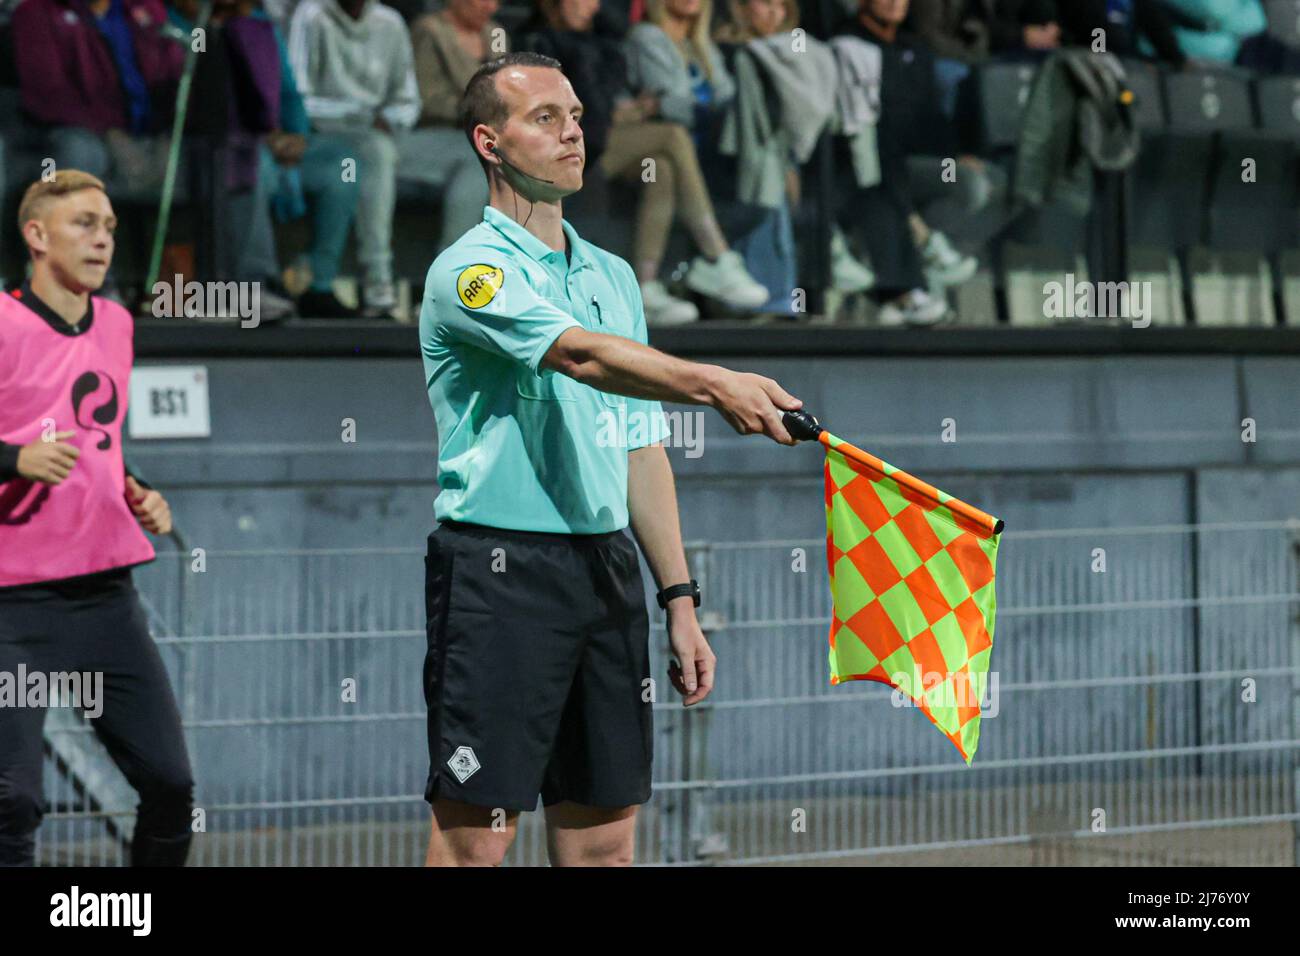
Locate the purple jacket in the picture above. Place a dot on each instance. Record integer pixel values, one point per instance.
(66, 71)
(255, 96)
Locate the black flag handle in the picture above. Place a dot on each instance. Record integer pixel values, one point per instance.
(802, 425)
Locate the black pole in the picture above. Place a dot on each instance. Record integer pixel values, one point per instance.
(1108, 229)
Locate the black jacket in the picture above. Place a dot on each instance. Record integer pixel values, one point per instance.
(912, 121)
(1079, 18)
(969, 30)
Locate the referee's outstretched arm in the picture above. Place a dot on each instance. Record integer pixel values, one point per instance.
(751, 404)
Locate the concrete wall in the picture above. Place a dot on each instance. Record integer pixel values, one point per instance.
(1042, 443)
(1047, 443)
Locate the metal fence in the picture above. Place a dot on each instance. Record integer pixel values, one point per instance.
(1145, 708)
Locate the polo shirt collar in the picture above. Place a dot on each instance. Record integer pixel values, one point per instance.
(533, 247)
(58, 323)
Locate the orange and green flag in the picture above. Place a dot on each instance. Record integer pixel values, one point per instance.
(912, 588)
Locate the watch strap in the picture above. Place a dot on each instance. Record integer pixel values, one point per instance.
(690, 589)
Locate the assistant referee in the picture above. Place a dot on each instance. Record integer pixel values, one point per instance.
(537, 670)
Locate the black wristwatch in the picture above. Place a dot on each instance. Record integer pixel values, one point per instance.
(679, 590)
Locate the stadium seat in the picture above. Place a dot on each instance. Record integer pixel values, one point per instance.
(1289, 286)
(1149, 100)
(1209, 101)
(1231, 289)
(1002, 91)
(1171, 180)
(1279, 104)
(1284, 20)
(1230, 223)
(1253, 212)
(1253, 188)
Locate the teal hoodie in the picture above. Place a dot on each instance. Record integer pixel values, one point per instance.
(1230, 22)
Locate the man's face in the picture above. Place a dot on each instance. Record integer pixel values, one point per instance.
(541, 135)
(74, 236)
(892, 12)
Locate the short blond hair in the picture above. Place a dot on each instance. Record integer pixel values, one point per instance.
(43, 191)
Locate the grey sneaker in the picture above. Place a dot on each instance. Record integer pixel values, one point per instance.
(917, 307)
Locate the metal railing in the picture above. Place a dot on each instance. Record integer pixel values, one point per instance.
(1145, 709)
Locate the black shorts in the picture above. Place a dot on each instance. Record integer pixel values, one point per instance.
(537, 671)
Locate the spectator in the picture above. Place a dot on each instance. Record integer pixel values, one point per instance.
(624, 132)
(86, 69)
(353, 65)
(672, 56)
(101, 79)
(755, 19)
(234, 97)
(299, 165)
(915, 140)
(449, 46)
(280, 12)
(1214, 31)
(965, 32)
(98, 86)
(589, 46)
(969, 31)
(789, 84)
(675, 69)
(1122, 25)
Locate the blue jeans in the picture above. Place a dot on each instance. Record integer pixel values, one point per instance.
(949, 74)
(332, 202)
(769, 254)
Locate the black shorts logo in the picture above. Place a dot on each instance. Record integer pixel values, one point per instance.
(463, 763)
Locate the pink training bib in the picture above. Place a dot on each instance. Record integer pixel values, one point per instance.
(67, 378)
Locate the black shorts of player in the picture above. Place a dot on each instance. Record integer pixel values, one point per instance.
(537, 670)
(94, 624)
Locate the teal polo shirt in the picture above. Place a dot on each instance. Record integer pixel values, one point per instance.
(521, 446)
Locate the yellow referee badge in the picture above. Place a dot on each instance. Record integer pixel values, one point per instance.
(478, 285)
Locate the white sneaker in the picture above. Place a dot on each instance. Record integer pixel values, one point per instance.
(727, 280)
(944, 265)
(662, 309)
(848, 274)
(917, 307)
(379, 299)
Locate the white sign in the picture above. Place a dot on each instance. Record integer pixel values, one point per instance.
(169, 401)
